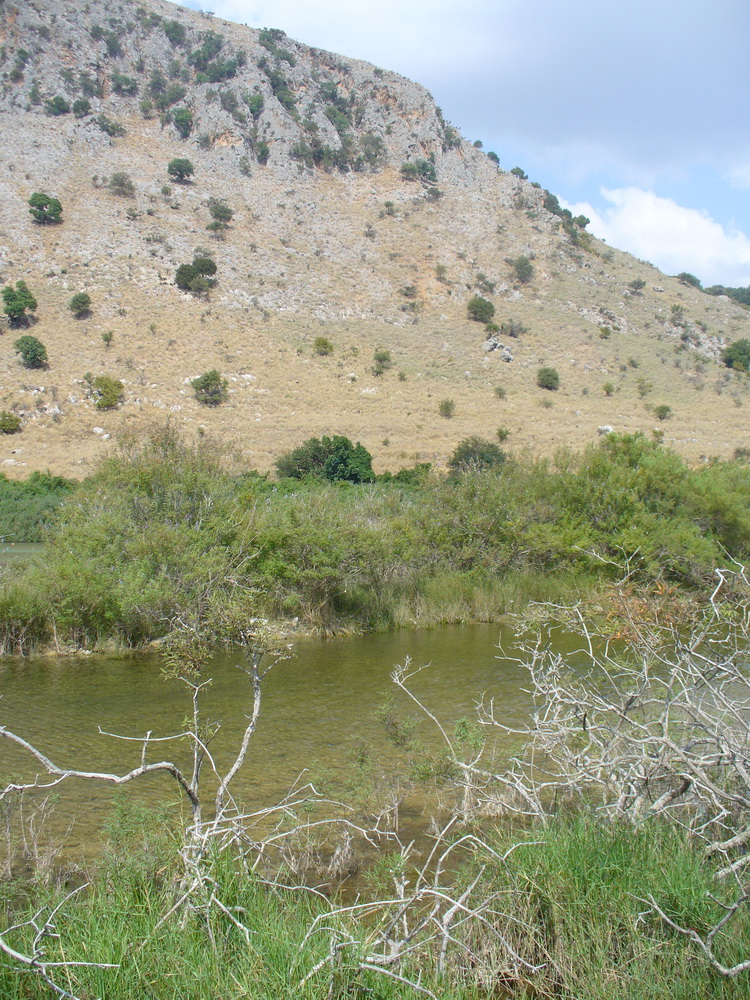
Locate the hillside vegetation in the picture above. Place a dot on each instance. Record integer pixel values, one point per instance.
(341, 216)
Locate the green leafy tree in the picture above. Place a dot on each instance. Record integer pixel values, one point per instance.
(196, 277)
(17, 301)
(663, 412)
(121, 184)
(383, 360)
(475, 453)
(637, 285)
(80, 304)
(221, 216)
(336, 459)
(108, 392)
(44, 208)
(548, 378)
(81, 107)
(523, 268)
(736, 355)
(57, 106)
(180, 168)
(32, 350)
(446, 408)
(689, 279)
(10, 423)
(210, 388)
(182, 119)
(480, 309)
(519, 172)
(322, 346)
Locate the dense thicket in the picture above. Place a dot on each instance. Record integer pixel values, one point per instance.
(164, 529)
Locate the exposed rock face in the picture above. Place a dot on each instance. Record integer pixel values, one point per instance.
(357, 212)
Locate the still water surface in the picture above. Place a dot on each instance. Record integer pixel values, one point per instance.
(315, 708)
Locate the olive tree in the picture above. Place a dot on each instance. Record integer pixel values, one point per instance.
(45, 209)
(181, 169)
(32, 350)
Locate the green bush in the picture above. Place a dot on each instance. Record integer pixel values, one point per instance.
(57, 106)
(81, 107)
(110, 127)
(108, 392)
(524, 269)
(474, 453)
(335, 459)
(262, 152)
(44, 209)
(180, 168)
(322, 346)
(383, 361)
(80, 304)
(196, 277)
(182, 119)
(121, 184)
(446, 408)
(480, 309)
(9, 423)
(32, 350)
(210, 388)
(737, 355)
(663, 412)
(17, 301)
(548, 378)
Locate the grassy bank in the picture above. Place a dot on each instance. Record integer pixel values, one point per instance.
(164, 530)
(571, 903)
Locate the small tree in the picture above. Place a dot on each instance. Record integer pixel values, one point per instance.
(121, 185)
(736, 355)
(32, 350)
(322, 346)
(210, 388)
(81, 107)
(476, 453)
(57, 106)
(637, 285)
(180, 168)
(383, 361)
(182, 119)
(520, 172)
(196, 277)
(663, 412)
(523, 267)
(689, 279)
(335, 459)
(10, 423)
(17, 301)
(80, 304)
(44, 209)
(479, 309)
(446, 408)
(108, 392)
(548, 378)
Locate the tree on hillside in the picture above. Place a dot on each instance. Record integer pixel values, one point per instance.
(44, 208)
(80, 304)
(180, 168)
(32, 350)
(474, 453)
(17, 301)
(196, 277)
(335, 459)
(548, 378)
(480, 309)
(736, 355)
(210, 388)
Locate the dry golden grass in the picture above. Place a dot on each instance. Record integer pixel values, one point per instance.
(320, 256)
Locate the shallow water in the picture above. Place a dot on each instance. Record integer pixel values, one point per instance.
(315, 709)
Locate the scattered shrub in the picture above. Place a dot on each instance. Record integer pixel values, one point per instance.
(322, 346)
(335, 459)
(17, 301)
(107, 337)
(32, 350)
(196, 277)
(637, 285)
(108, 392)
(180, 169)
(446, 408)
(479, 309)
(57, 106)
(210, 388)
(10, 423)
(182, 119)
(663, 412)
(383, 361)
(548, 378)
(519, 172)
(502, 434)
(475, 453)
(500, 391)
(737, 355)
(44, 208)
(110, 127)
(608, 388)
(523, 268)
(121, 185)
(80, 304)
(81, 107)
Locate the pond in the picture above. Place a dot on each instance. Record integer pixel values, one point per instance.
(316, 708)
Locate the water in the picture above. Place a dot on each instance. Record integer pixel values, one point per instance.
(316, 708)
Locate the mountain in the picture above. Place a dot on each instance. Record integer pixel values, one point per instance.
(359, 220)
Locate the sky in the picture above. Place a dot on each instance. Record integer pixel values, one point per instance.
(633, 112)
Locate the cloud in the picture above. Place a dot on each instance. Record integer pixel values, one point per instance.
(669, 235)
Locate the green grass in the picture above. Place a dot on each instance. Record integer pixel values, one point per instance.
(571, 903)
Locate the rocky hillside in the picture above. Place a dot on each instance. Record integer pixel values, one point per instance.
(344, 217)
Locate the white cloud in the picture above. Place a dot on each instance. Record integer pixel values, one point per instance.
(669, 235)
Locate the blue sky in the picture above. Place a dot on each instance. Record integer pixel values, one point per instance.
(634, 113)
